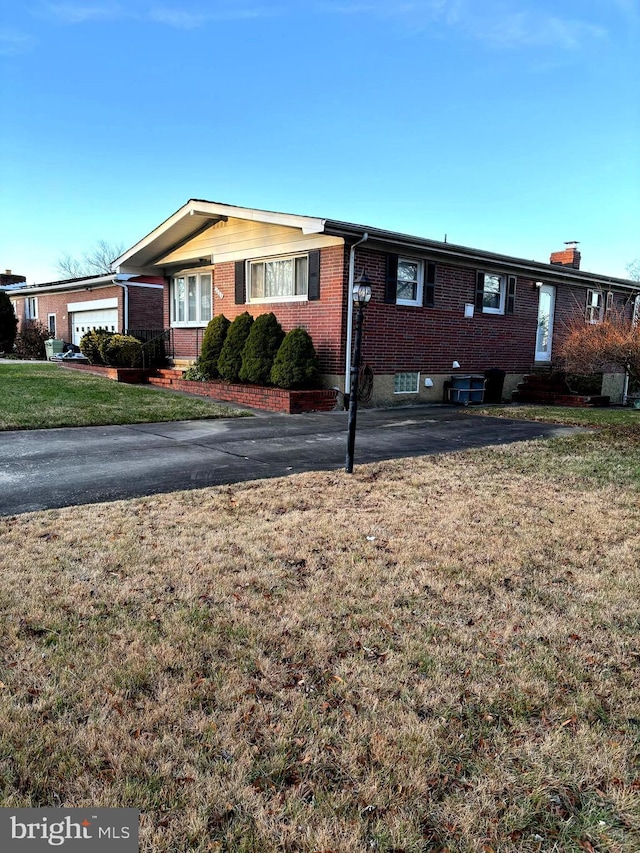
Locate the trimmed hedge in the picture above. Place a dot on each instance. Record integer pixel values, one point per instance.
(214, 337)
(296, 364)
(230, 360)
(260, 349)
(90, 345)
(121, 351)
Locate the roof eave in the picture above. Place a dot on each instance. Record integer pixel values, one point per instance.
(473, 257)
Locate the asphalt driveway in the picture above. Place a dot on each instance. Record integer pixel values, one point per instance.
(46, 469)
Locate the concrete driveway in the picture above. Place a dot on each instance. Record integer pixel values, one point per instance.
(45, 469)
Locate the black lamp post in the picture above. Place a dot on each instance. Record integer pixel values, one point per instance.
(361, 297)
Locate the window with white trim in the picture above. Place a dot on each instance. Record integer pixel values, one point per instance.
(493, 293)
(51, 323)
(410, 281)
(191, 298)
(406, 383)
(31, 308)
(279, 279)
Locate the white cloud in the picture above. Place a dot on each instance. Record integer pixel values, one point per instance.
(13, 42)
(535, 29)
(80, 13)
(184, 19)
(498, 23)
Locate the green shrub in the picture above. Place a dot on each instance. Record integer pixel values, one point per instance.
(30, 340)
(121, 351)
(296, 363)
(260, 349)
(230, 360)
(212, 343)
(91, 342)
(195, 373)
(8, 323)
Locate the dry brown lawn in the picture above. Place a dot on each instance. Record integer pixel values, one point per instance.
(436, 654)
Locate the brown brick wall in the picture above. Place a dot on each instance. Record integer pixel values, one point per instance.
(146, 308)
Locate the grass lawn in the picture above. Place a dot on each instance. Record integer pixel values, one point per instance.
(437, 654)
(42, 396)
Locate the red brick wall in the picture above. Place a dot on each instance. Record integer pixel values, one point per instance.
(56, 303)
(323, 319)
(404, 338)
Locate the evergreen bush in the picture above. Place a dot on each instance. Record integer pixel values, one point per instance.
(121, 351)
(91, 342)
(260, 349)
(230, 360)
(8, 323)
(296, 363)
(212, 343)
(30, 340)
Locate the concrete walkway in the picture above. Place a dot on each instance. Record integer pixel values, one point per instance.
(44, 469)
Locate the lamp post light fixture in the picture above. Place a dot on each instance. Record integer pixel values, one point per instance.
(361, 296)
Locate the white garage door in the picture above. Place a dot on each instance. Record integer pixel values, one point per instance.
(101, 318)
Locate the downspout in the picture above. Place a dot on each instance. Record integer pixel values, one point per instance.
(347, 365)
(125, 308)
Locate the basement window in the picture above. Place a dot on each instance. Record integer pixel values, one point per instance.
(406, 383)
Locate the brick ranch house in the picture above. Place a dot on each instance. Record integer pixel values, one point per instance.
(70, 308)
(433, 303)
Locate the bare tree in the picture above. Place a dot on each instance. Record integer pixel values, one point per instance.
(98, 261)
(634, 270)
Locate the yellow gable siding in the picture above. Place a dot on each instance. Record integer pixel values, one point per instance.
(239, 239)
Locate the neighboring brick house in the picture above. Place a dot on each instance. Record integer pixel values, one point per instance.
(9, 280)
(433, 303)
(72, 307)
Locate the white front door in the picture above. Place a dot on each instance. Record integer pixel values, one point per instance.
(544, 335)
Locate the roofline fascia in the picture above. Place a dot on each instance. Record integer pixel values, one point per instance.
(216, 210)
(35, 289)
(475, 257)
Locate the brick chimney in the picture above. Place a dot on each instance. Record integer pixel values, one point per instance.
(568, 257)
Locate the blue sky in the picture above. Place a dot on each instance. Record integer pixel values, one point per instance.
(507, 125)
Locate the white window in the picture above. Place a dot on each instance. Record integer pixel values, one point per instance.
(31, 308)
(279, 279)
(493, 293)
(191, 299)
(406, 383)
(410, 282)
(595, 306)
(51, 323)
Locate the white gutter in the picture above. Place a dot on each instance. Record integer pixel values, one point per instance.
(350, 285)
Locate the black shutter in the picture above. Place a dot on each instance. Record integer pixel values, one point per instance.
(241, 291)
(479, 291)
(314, 275)
(392, 280)
(511, 295)
(429, 290)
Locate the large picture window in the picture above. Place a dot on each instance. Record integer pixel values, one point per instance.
(274, 279)
(191, 299)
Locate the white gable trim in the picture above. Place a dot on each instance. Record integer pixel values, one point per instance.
(195, 215)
